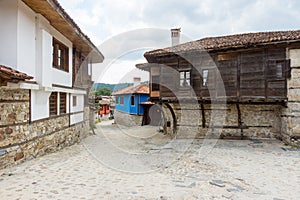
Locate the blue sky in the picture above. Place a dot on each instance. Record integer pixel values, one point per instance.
(105, 21)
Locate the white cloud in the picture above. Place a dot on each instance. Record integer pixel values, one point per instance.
(106, 19)
(122, 71)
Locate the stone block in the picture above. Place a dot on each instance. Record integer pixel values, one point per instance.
(19, 156)
(295, 57)
(296, 130)
(294, 94)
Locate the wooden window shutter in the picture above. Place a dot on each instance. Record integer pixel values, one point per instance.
(287, 68)
(63, 103)
(53, 104)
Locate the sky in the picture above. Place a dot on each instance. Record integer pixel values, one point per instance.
(124, 29)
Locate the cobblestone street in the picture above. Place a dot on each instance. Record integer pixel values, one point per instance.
(122, 163)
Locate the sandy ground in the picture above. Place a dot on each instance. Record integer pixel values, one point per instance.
(141, 163)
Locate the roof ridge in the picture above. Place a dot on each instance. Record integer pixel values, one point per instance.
(230, 41)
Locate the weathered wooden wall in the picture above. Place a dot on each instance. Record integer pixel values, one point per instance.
(252, 75)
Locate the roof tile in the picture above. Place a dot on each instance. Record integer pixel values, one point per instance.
(139, 89)
(8, 73)
(230, 41)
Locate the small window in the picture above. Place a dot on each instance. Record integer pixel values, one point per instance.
(132, 101)
(74, 101)
(122, 100)
(155, 83)
(62, 103)
(279, 67)
(53, 104)
(185, 78)
(276, 69)
(205, 77)
(117, 100)
(60, 55)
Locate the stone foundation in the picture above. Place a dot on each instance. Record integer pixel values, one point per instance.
(126, 119)
(22, 140)
(256, 121)
(291, 114)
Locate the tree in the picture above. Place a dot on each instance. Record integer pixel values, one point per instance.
(103, 91)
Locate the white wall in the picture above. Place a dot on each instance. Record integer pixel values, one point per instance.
(26, 40)
(8, 33)
(46, 59)
(39, 104)
(26, 44)
(78, 108)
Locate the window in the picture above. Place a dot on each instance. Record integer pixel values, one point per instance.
(62, 103)
(205, 77)
(279, 67)
(117, 100)
(74, 101)
(185, 78)
(53, 104)
(155, 83)
(132, 101)
(122, 100)
(276, 69)
(60, 56)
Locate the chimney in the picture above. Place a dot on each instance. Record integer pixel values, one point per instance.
(175, 35)
(136, 81)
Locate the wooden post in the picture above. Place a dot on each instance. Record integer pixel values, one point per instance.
(240, 122)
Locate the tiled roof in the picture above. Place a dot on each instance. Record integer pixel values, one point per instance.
(139, 89)
(9, 74)
(230, 41)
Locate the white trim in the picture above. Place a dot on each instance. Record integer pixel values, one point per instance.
(23, 85)
(34, 86)
(66, 90)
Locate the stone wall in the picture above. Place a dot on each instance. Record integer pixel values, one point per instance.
(21, 139)
(126, 119)
(258, 121)
(291, 114)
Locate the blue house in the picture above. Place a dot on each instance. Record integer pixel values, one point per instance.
(128, 100)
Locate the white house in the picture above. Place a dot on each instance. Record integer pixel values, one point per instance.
(40, 40)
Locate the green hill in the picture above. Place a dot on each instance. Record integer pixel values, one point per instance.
(112, 87)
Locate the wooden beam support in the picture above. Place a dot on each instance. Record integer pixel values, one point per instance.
(203, 116)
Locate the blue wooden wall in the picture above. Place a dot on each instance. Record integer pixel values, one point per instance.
(135, 109)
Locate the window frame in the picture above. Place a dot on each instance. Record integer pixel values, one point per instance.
(155, 83)
(132, 100)
(53, 98)
(121, 100)
(206, 78)
(185, 78)
(74, 101)
(62, 103)
(60, 55)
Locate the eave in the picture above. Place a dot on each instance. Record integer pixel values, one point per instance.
(62, 22)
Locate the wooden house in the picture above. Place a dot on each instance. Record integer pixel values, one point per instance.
(252, 78)
(45, 75)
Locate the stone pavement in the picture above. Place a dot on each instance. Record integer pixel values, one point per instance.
(140, 163)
